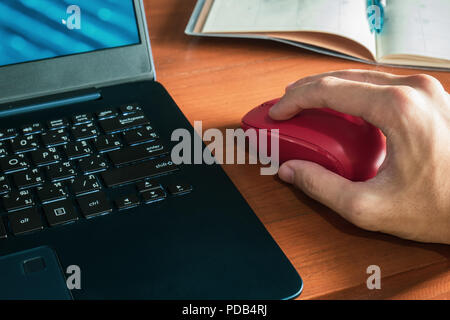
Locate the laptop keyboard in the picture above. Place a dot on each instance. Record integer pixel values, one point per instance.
(58, 172)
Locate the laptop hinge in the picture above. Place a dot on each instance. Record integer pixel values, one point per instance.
(56, 100)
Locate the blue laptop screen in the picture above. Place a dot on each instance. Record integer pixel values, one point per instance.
(40, 29)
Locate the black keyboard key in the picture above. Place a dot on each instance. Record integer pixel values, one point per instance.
(61, 171)
(18, 200)
(124, 122)
(32, 128)
(50, 192)
(5, 186)
(127, 202)
(25, 221)
(27, 179)
(153, 195)
(85, 131)
(77, 149)
(60, 212)
(14, 163)
(55, 138)
(137, 153)
(130, 108)
(24, 143)
(107, 143)
(94, 204)
(45, 157)
(91, 164)
(108, 113)
(84, 184)
(147, 185)
(3, 149)
(57, 124)
(3, 233)
(82, 118)
(7, 133)
(141, 135)
(179, 189)
(138, 172)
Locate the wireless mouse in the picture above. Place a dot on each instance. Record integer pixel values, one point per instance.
(344, 144)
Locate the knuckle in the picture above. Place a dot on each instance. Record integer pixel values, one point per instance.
(402, 100)
(325, 82)
(400, 94)
(424, 81)
(360, 211)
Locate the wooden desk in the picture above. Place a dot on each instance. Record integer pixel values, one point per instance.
(218, 81)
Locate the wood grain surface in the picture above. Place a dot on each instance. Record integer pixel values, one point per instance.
(217, 81)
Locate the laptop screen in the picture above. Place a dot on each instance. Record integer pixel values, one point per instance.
(33, 30)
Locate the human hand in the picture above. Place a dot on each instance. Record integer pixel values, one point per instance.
(410, 195)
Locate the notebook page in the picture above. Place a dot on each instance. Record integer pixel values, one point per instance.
(341, 17)
(416, 27)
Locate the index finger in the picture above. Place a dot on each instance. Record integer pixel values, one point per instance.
(368, 101)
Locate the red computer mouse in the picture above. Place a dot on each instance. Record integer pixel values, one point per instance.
(344, 144)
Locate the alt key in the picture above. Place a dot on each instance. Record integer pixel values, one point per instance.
(25, 221)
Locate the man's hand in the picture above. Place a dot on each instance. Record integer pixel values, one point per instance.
(410, 196)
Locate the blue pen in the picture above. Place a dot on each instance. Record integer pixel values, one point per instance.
(375, 15)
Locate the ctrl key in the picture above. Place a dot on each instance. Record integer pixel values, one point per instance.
(25, 221)
(94, 204)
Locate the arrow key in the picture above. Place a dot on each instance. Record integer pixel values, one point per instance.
(178, 189)
(153, 195)
(127, 202)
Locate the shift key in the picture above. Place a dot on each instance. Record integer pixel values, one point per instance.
(138, 153)
(124, 122)
(133, 173)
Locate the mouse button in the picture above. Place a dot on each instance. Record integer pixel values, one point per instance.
(332, 129)
(315, 129)
(258, 119)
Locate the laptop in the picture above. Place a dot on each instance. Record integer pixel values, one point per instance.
(92, 207)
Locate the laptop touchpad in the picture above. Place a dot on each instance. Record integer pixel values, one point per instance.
(32, 274)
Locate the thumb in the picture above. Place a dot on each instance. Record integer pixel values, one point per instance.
(323, 185)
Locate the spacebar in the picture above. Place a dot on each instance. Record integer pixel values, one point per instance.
(139, 171)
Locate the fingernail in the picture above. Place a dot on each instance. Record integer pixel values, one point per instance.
(273, 109)
(286, 174)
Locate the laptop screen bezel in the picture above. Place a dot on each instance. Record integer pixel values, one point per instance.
(80, 71)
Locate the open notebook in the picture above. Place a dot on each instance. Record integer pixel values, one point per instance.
(415, 33)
